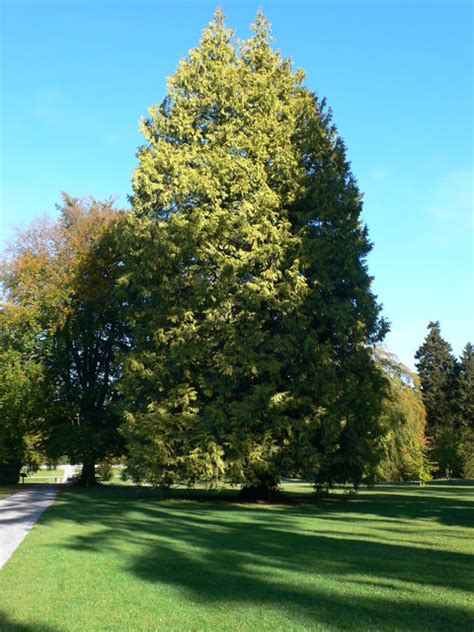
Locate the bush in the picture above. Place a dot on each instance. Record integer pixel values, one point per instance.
(105, 471)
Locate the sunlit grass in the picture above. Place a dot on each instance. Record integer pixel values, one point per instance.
(394, 558)
(45, 476)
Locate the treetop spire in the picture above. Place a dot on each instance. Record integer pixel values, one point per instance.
(262, 27)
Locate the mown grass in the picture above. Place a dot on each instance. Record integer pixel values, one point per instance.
(41, 476)
(45, 476)
(118, 558)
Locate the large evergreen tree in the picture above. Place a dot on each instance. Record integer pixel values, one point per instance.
(438, 371)
(248, 293)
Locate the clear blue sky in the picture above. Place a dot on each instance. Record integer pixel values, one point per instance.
(77, 76)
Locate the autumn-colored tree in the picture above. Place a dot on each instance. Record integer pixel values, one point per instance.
(406, 448)
(21, 374)
(249, 299)
(59, 280)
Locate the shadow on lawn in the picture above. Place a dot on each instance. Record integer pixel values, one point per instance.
(427, 502)
(280, 559)
(403, 510)
(7, 625)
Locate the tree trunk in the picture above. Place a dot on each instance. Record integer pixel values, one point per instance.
(88, 478)
(266, 489)
(10, 472)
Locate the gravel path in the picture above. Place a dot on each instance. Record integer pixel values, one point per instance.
(19, 513)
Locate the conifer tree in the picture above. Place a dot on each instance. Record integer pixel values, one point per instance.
(466, 409)
(248, 293)
(438, 371)
(466, 385)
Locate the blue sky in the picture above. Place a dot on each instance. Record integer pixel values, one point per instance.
(77, 76)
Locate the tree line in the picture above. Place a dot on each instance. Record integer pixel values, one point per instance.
(223, 329)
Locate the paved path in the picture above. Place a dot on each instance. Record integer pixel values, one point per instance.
(19, 513)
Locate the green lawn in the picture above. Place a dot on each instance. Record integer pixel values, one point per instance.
(40, 476)
(395, 558)
(117, 477)
(45, 476)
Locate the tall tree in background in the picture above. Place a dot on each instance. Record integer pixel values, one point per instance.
(466, 409)
(250, 302)
(438, 371)
(59, 280)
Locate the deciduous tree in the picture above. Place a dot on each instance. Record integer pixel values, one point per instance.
(59, 281)
(406, 448)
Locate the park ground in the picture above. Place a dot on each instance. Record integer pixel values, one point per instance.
(397, 557)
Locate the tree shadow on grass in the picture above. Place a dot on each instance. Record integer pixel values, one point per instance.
(7, 625)
(239, 578)
(393, 501)
(226, 555)
(401, 504)
(426, 503)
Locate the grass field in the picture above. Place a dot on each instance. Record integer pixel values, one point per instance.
(118, 558)
(40, 476)
(45, 476)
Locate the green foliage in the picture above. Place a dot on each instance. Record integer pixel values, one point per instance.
(245, 277)
(21, 377)
(466, 385)
(59, 280)
(466, 409)
(404, 420)
(438, 371)
(105, 471)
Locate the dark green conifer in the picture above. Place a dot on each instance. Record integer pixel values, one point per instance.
(466, 409)
(438, 371)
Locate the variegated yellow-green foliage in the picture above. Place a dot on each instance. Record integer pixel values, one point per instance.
(245, 276)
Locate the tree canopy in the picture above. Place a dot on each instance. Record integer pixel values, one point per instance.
(466, 409)
(406, 448)
(64, 330)
(224, 329)
(438, 371)
(251, 311)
